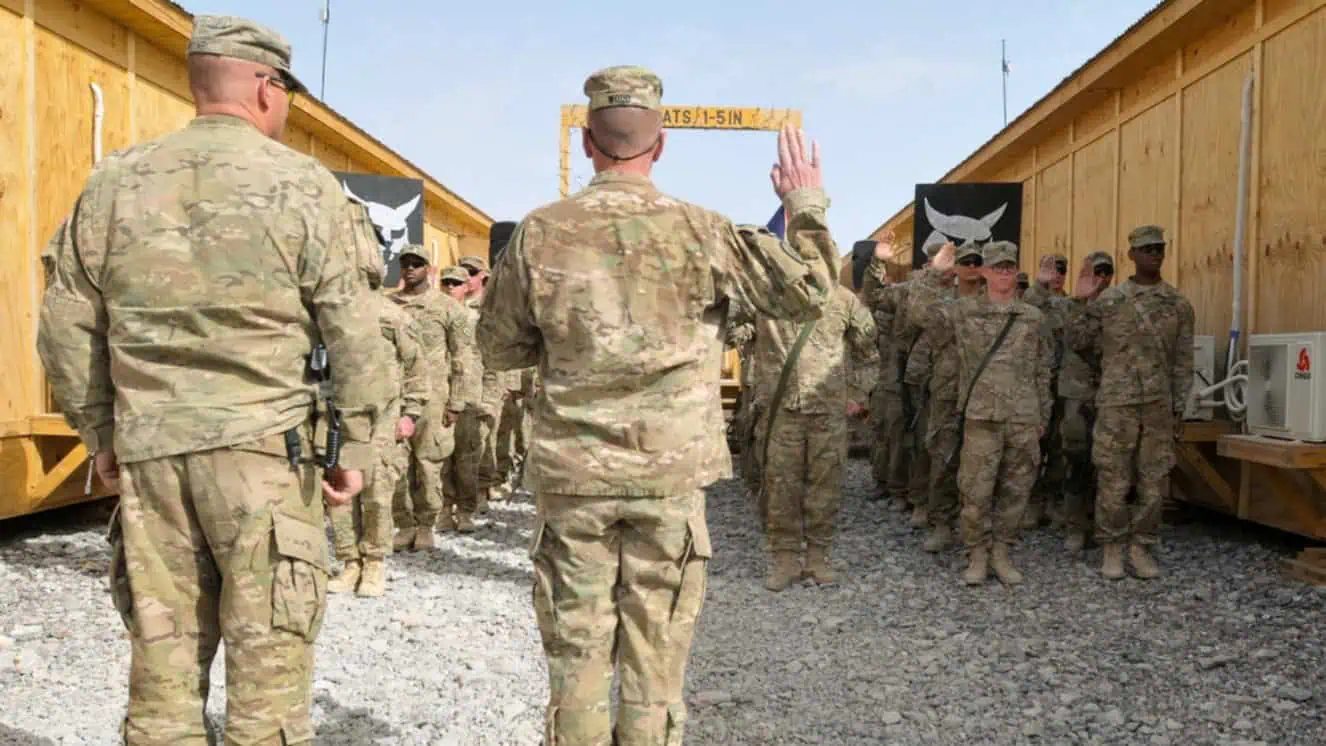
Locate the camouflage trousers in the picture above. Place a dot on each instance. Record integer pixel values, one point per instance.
(999, 462)
(803, 479)
(752, 440)
(618, 585)
(512, 437)
(888, 454)
(1050, 482)
(1080, 476)
(418, 499)
(463, 477)
(226, 545)
(942, 442)
(363, 528)
(918, 483)
(1133, 447)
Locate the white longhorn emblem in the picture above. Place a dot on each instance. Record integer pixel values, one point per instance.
(959, 228)
(393, 232)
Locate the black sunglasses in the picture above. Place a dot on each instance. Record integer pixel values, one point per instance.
(412, 264)
(452, 283)
(1151, 248)
(1061, 267)
(970, 261)
(1104, 270)
(472, 271)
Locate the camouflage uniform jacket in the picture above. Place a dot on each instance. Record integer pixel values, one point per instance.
(1015, 385)
(493, 385)
(620, 294)
(822, 381)
(1144, 337)
(883, 300)
(447, 334)
(207, 299)
(406, 374)
(1079, 371)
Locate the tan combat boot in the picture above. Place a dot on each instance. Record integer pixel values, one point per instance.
(920, 516)
(465, 523)
(939, 539)
(786, 571)
(818, 567)
(1076, 541)
(1112, 567)
(977, 567)
(374, 579)
(347, 580)
(404, 540)
(423, 537)
(1003, 566)
(1144, 566)
(446, 522)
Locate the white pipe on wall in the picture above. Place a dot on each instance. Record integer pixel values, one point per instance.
(98, 116)
(1241, 223)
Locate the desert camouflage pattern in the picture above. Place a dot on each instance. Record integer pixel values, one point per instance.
(888, 455)
(189, 378)
(1080, 475)
(513, 427)
(623, 85)
(241, 38)
(995, 477)
(1049, 488)
(619, 294)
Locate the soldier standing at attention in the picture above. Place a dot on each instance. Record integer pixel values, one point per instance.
(1005, 400)
(620, 294)
(176, 263)
(807, 439)
(361, 532)
(1047, 295)
(1077, 391)
(1143, 331)
(453, 381)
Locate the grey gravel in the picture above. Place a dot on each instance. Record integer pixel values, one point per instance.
(1221, 650)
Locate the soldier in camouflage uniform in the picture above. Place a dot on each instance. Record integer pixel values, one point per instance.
(807, 440)
(1143, 332)
(619, 294)
(361, 532)
(218, 533)
(935, 362)
(1077, 393)
(512, 434)
(1006, 406)
(741, 335)
(1047, 295)
(1023, 284)
(447, 335)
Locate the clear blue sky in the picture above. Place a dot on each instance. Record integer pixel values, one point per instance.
(896, 91)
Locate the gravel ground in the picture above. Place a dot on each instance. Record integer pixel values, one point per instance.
(1220, 650)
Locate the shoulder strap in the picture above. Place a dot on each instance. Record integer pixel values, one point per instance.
(776, 400)
(999, 340)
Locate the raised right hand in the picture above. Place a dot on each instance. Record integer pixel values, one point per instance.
(798, 166)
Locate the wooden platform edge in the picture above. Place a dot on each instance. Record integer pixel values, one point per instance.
(1309, 566)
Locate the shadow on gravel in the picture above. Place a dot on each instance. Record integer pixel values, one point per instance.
(15, 737)
(348, 726)
(51, 539)
(445, 561)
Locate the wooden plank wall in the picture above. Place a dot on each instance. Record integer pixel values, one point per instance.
(50, 51)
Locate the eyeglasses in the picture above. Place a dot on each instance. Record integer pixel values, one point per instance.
(279, 80)
(970, 261)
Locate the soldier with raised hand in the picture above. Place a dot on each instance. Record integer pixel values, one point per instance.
(207, 264)
(620, 293)
(447, 335)
(361, 531)
(1077, 392)
(1005, 402)
(1047, 295)
(1143, 332)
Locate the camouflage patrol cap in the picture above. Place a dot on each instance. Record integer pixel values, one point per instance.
(474, 262)
(624, 85)
(1146, 235)
(998, 252)
(456, 273)
(240, 38)
(968, 248)
(1023, 279)
(415, 249)
(1100, 259)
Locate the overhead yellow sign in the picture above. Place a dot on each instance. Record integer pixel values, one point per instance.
(705, 117)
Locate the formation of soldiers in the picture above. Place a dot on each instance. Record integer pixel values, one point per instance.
(197, 277)
(994, 409)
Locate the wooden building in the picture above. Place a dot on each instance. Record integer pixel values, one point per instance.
(1148, 131)
(77, 76)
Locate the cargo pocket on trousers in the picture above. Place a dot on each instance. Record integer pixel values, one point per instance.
(676, 725)
(299, 576)
(118, 573)
(544, 595)
(694, 571)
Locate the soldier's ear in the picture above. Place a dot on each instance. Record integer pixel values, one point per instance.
(658, 148)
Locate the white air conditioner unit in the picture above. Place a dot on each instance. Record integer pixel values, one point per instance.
(1203, 375)
(1286, 397)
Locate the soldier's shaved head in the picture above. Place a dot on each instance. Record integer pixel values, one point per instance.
(622, 134)
(251, 91)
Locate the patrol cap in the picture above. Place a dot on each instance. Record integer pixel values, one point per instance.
(414, 249)
(454, 273)
(476, 263)
(624, 85)
(1146, 235)
(240, 38)
(998, 252)
(1023, 279)
(1100, 259)
(968, 248)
